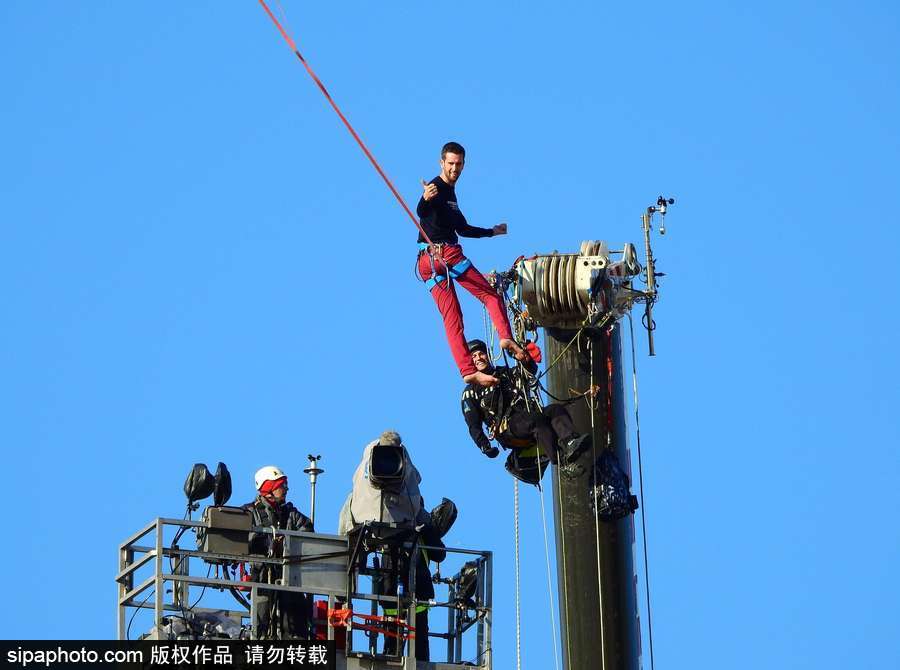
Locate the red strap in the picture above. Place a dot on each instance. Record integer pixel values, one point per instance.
(341, 618)
(293, 46)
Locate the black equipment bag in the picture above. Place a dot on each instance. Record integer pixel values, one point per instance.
(527, 468)
(199, 484)
(610, 496)
(443, 516)
(466, 585)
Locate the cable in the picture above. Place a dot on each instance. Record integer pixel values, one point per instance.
(549, 580)
(136, 610)
(637, 422)
(362, 145)
(178, 585)
(565, 401)
(518, 612)
(202, 591)
(489, 336)
(592, 405)
(560, 354)
(562, 558)
(565, 580)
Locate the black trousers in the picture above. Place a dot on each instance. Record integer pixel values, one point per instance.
(546, 428)
(424, 591)
(294, 613)
(423, 652)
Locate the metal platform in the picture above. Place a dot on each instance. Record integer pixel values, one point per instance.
(316, 564)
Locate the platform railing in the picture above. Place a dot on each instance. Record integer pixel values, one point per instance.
(316, 564)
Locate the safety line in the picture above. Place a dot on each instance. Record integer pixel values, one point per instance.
(562, 559)
(592, 404)
(637, 422)
(518, 608)
(489, 336)
(362, 145)
(549, 579)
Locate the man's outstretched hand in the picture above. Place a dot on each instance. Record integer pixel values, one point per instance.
(499, 229)
(430, 190)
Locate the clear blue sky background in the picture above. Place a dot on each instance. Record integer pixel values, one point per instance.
(198, 264)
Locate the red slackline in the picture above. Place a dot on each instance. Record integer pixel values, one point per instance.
(293, 46)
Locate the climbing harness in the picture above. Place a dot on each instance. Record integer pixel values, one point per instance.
(453, 271)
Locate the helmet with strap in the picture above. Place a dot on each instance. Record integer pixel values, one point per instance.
(268, 478)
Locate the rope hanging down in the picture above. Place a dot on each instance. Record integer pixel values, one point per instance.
(637, 421)
(518, 602)
(549, 580)
(362, 145)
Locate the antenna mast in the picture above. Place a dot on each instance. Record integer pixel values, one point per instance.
(313, 471)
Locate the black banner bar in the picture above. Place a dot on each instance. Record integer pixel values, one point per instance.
(158, 655)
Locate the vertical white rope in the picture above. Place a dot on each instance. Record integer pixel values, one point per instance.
(489, 336)
(637, 425)
(592, 401)
(563, 557)
(518, 605)
(549, 581)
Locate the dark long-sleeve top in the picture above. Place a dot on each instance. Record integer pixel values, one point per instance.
(441, 219)
(485, 405)
(284, 517)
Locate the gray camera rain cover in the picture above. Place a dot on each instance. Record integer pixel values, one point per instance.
(367, 502)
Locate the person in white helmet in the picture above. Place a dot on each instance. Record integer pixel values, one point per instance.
(272, 509)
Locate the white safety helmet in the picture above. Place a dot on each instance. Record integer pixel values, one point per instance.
(268, 473)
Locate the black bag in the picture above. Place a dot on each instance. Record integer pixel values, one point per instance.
(443, 516)
(199, 484)
(610, 496)
(466, 585)
(528, 469)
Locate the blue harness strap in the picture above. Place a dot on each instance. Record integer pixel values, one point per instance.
(455, 271)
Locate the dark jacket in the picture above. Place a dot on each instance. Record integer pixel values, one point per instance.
(295, 608)
(285, 517)
(488, 405)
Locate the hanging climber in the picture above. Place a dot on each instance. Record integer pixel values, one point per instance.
(271, 509)
(443, 261)
(514, 419)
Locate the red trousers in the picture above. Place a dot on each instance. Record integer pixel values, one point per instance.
(444, 294)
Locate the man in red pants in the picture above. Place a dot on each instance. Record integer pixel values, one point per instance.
(442, 263)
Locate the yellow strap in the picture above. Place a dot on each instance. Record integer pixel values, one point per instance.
(532, 452)
(419, 609)
(523, 446)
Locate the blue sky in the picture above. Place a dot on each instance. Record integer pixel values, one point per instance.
(198, 264)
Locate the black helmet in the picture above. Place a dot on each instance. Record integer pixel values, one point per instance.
(476, 345)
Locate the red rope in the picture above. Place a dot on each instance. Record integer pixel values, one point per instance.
(293, 46)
